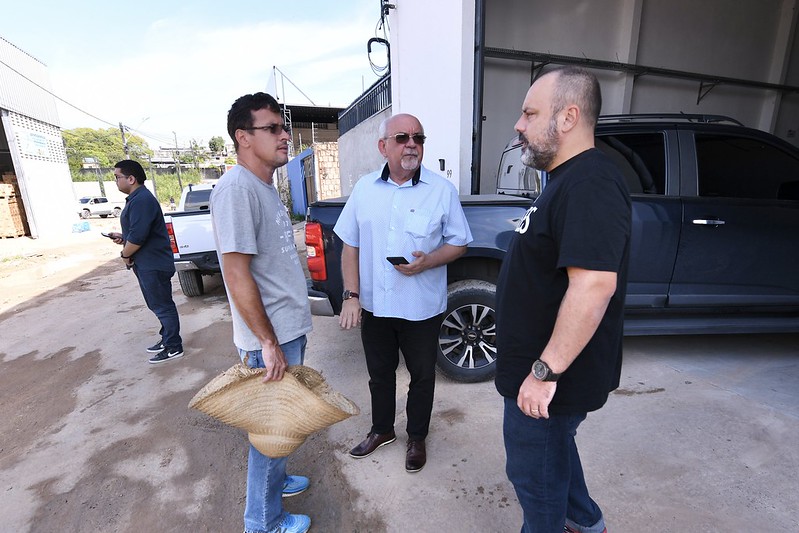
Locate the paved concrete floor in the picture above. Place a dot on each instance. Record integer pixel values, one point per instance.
(701, 436)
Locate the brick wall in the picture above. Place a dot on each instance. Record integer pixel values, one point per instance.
(326, 160)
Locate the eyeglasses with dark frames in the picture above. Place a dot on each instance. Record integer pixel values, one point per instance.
(274, 129)
(403, 138)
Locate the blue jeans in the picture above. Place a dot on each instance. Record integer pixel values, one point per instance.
(266, 475)
(156, 287)
(545, 469)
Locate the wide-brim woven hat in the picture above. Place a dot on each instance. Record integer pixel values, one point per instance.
(278, 415)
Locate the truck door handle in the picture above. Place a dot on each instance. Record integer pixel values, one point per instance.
(708, 222)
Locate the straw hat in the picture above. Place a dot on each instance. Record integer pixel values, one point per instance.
(277, 415)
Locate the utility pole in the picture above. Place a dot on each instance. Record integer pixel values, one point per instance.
(124, 140)
(177, 161)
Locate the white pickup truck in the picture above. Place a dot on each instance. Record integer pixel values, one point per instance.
(192, 239)
(98, 206)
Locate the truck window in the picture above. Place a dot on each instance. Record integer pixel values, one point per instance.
(742, 167)
(516, 178)
(641, 159)
(197, 200)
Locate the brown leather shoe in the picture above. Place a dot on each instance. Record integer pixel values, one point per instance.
(416, 457)
(371, 443)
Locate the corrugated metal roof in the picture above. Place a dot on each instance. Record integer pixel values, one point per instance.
(25, 85)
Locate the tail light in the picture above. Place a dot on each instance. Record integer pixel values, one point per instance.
(172, 242)
(315, 250)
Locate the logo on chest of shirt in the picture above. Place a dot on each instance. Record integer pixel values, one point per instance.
(524, 223)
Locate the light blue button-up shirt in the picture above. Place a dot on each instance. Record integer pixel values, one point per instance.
(383, 219)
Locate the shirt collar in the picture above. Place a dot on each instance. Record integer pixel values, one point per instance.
(414, 180)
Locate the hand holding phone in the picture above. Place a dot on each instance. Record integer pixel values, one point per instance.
(397, 260)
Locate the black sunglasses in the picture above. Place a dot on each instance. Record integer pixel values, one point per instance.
(274, 129)
(403, 138)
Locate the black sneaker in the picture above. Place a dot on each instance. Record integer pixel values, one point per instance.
(156, 348)
(167, 354)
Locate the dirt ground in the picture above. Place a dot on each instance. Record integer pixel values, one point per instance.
(700, 436)
(92, 437)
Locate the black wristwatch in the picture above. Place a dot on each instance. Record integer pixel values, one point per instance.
(349, 294)
(542, 372)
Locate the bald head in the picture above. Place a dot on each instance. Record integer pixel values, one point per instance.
(576, 86)
(559, 114)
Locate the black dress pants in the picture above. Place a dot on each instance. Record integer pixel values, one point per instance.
(382, 339)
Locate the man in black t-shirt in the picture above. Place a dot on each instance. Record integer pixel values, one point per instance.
(560, 299)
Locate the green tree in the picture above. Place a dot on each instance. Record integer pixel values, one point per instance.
(104, 145)
(216, 145)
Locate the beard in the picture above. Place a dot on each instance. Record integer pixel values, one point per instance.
(409, 162)
(540, 154)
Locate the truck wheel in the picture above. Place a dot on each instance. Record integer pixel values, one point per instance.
(467, 339)
(117, 212)
(191, 282)
(85, 213)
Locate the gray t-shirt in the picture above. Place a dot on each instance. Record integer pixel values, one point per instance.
(249, 218)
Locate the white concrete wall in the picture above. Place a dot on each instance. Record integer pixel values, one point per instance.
(358, 153)
(40, 164)
(748, 39)
(432, 72)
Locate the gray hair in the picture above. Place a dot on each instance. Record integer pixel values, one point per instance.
(381, 130)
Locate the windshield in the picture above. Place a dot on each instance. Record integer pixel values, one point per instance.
(84, 200)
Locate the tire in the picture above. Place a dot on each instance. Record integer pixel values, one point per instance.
(85, 214)
(467, 338)
(191, 282)
(117, 212)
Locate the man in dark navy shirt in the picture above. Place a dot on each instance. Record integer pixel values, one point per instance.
(146, 249)
(560, 302)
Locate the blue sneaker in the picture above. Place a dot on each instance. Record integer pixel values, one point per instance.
(295, 485)
(293, 523)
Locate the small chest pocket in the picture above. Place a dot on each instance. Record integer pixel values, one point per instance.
(421, 223)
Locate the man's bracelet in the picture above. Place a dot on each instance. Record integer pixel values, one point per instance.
(123, 256)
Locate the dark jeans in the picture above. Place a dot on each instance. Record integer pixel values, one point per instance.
(544, 466)
(382, 339)
(156, 287)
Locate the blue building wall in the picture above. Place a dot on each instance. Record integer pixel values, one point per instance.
(299, 195)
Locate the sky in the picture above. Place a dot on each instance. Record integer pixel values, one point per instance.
(173, 68)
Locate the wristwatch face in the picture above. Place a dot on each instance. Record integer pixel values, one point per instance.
(540, 370)
(347, 295)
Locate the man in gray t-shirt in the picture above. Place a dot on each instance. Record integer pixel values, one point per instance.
(265, 285)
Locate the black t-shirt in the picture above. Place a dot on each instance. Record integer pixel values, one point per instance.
(581, 219)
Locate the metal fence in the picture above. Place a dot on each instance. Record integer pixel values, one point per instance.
(371, 102)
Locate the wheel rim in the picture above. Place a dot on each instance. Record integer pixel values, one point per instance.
(467, 338)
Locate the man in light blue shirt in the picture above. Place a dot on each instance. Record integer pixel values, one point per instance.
(400, 227)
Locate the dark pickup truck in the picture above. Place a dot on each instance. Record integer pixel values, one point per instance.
(715, 238)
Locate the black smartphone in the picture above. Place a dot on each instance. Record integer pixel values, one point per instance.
(397, 260)
(104, 234)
